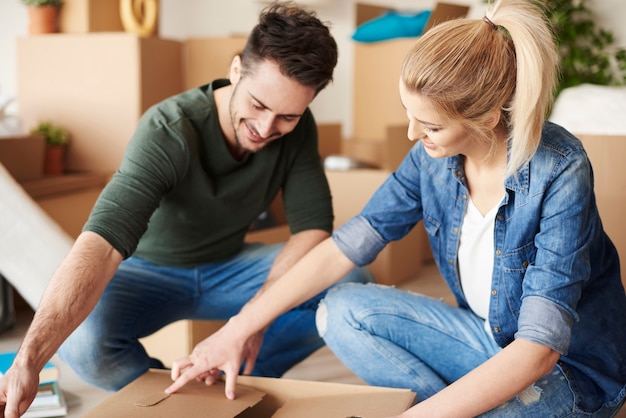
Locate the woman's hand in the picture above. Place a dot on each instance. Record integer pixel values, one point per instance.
(222, 352)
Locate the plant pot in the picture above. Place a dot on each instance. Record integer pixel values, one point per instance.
(54, 160)
(43, 19)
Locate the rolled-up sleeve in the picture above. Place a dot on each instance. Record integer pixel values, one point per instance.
(359, 241)
(544, 322)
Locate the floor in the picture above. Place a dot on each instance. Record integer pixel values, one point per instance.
(80, 396)
(321, 366)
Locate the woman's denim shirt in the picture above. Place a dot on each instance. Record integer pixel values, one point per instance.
(556, 276)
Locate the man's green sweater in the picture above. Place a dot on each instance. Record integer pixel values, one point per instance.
(180, 199)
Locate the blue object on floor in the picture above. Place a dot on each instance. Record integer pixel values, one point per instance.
(392, 25)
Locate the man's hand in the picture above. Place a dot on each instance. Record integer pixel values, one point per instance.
(223, 351)
(17, 391)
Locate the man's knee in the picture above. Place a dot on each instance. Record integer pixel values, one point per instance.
(88, 364)
(100, 365)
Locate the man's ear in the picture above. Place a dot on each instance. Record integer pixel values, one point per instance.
(234, 73)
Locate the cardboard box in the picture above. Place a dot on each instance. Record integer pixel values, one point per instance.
(84, 16)
(205, 59)
(178, 339)
(377, 68)
(606, 153)
(400, 260)
(330, 139)
(257, 397)
(23, 156)
(96, 85)
(376, 101)
(387, 153)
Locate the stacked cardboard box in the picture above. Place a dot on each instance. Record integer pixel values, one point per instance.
(84, 16)
(377, 67)
(96, 85)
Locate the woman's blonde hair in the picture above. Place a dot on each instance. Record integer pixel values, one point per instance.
(506, 62)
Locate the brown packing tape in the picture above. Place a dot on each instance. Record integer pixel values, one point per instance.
(152, 399)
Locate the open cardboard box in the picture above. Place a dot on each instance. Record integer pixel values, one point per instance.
(257, 397)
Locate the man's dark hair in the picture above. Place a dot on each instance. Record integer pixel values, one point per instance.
(297, 41)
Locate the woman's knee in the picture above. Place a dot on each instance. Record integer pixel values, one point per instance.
(339, 305)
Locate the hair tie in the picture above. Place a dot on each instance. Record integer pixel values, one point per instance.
(490, 23)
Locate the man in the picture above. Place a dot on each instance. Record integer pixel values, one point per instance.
(165, 240)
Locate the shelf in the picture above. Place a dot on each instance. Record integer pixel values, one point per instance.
(65, 184)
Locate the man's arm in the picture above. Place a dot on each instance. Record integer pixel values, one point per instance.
(71, 294)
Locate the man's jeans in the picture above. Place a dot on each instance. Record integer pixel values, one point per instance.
(142, 298)
(389, 337)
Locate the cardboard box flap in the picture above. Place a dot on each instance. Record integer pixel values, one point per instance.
(280, 392)
(362, 405)
(144, 397)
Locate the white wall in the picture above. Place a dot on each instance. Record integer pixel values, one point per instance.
(13, 23)
(181, 19)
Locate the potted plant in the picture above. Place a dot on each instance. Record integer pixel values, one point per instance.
(43, 15)
(588, 53)
(56, 139)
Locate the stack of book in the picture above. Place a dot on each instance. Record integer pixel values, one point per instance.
(49, 401)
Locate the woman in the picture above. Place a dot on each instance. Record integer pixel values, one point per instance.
(507, 201)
